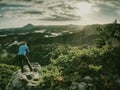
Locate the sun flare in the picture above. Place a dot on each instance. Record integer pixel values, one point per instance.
(83, 8)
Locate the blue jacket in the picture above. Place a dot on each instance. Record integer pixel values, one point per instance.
(23, 49)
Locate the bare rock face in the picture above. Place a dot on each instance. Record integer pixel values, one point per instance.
(27, 80)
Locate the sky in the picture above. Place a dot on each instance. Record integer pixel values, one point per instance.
(18, 13)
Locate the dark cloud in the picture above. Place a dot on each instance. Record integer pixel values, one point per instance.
(9, 10)
(11, 5)
(39, 1)
(26, 0)
(33, 12)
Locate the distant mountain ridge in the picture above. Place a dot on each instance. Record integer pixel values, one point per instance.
(65, 34)
(90, 29)
(30, 28)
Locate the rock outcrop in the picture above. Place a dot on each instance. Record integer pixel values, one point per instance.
(27, 80)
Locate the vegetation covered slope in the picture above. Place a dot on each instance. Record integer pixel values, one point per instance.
(97, 67)
(71, 57)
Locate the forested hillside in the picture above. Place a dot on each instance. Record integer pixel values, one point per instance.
(72, 57)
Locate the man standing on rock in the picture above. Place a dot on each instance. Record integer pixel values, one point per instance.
(23, 50)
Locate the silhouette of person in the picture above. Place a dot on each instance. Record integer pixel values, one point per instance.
(22, 51)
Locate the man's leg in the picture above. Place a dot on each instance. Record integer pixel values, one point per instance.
(28, 62)
(21, 62)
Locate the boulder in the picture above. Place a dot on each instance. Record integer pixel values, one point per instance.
(27, 80)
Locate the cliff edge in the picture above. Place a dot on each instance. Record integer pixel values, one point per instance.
(27, 80)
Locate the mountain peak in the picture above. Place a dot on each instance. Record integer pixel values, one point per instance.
(29, 26)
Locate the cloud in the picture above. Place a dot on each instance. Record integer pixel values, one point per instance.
(4, 7)
(58, 10)
(27, 0)
(9, 10)
(53, 9)
(62, 18)
(11, 5)
(1, 15)
(109, 3)
(23, 1)
(118, 12)
(106, 8)
(96, 9)
(33, 12)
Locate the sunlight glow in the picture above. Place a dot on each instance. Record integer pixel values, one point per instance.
(83, 8)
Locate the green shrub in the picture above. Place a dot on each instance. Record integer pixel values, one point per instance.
(6, 72)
